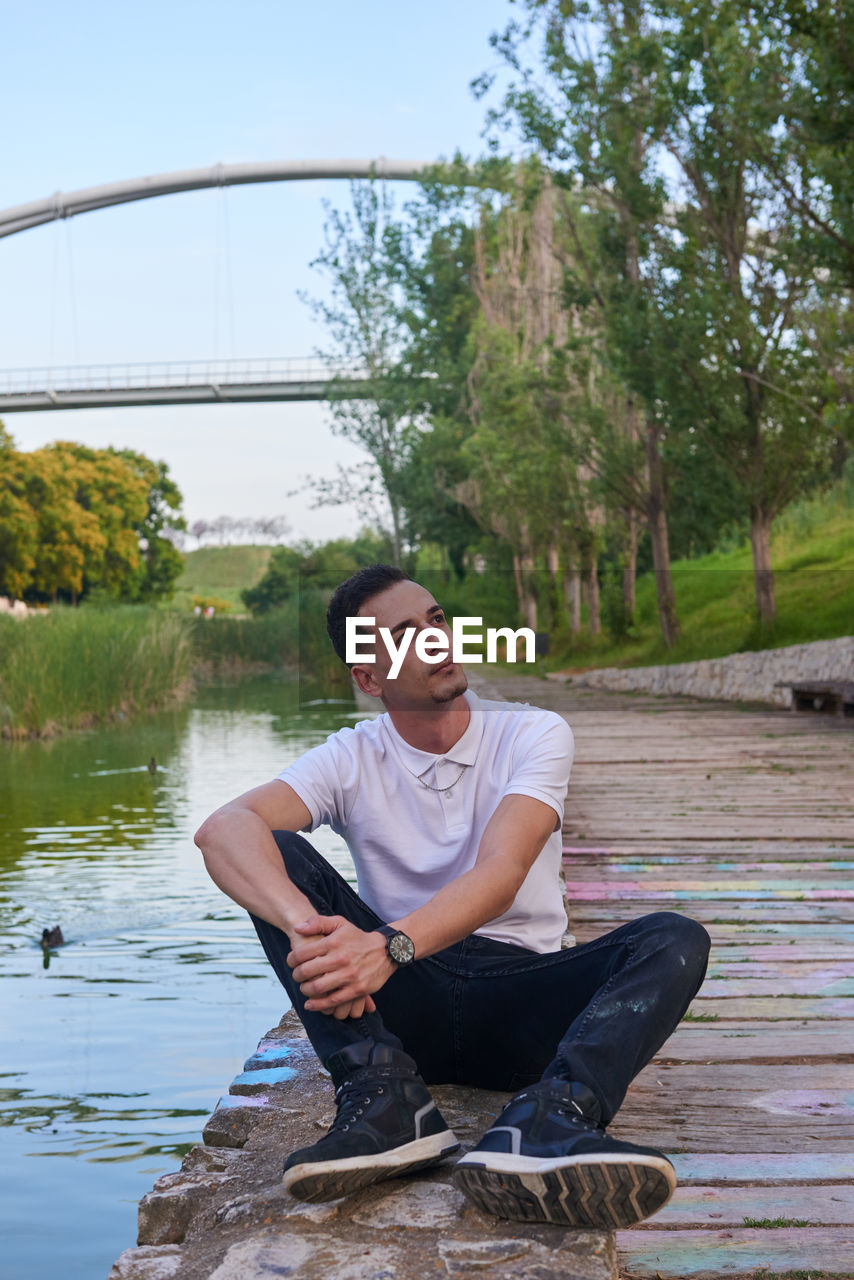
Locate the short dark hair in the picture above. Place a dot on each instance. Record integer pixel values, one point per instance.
(349, 596)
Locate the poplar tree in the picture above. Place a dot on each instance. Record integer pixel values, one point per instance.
(591, 110)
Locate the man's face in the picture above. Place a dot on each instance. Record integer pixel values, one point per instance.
(418, 684)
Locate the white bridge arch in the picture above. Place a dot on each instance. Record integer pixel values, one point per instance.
(70, 204)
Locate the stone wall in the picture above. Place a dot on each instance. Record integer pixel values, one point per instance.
(739, 677)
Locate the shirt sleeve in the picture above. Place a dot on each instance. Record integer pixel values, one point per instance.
(326, 779)
(541, 761)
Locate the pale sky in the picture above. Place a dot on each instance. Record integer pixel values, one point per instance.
(97, 91)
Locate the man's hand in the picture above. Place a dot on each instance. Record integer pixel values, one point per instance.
(339, 966)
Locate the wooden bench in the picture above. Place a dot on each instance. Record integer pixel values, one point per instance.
(828, 697)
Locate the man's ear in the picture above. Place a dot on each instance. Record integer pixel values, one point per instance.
(364, 678)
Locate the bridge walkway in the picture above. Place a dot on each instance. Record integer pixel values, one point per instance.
(248, 381)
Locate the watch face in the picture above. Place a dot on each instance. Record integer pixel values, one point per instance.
(401, 948)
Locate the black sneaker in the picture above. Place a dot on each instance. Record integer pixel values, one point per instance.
(548, 1159)
(387, 1124)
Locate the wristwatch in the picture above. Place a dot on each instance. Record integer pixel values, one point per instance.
(400, 947)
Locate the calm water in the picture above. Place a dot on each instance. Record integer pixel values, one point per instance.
(112, 1057)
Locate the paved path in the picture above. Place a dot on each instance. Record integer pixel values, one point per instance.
(743, 820)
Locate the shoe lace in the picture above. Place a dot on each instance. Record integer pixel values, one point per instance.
(353, 1097)
(574, 1113)
(569, 1110)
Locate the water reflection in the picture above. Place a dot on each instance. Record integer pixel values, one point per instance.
(114, 1054)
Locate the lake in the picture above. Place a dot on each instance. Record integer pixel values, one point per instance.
(113, 1056)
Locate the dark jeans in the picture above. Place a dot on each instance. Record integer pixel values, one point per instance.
(497, 1016)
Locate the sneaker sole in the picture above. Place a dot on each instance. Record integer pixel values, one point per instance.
(330, 1179)
(605, 1192)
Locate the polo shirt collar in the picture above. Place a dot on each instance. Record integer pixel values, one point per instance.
(463, 752)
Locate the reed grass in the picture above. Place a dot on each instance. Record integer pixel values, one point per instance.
(223, 642)
(292, 637)
(75, 668)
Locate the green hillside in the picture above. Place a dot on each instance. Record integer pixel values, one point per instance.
(220, 573)
(813, 561)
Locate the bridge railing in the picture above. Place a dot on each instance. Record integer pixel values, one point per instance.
(145, 375)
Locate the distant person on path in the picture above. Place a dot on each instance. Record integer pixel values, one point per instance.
(447, 968)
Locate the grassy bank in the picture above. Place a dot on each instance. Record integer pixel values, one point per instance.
(79, 667)
(813, 559)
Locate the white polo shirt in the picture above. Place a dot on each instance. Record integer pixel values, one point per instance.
(408, 841)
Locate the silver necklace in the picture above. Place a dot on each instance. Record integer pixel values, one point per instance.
(449, 788)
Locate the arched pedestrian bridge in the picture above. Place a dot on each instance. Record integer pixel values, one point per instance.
(194, 381)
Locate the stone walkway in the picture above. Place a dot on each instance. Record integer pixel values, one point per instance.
(740, 819)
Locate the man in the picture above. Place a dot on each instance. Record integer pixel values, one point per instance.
(447, 967)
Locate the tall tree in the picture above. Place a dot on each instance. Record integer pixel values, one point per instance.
(524, 472)
(590, 109)
(810, 162)
(362, 317)
(729, 295)
(806, 64)
(434, 263)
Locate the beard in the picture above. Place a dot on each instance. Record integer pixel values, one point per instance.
(450, 691)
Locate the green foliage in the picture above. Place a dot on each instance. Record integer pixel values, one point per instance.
(433, 481)
(77, 667)
(288, 607)
(812, 159)
(278, 584)
(73, 519)
(732, 335)
(434, 264)
(293, 570)
(489, 595)
(161, 562)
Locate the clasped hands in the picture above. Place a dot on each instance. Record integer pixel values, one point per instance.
(338, 966)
